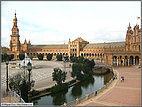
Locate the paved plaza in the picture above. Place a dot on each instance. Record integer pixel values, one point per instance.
(42, 74)
(127, 93)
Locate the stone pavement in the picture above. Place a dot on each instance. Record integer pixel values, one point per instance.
(42, 75)
(127, 93)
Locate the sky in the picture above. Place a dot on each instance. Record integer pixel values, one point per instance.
(54, 22)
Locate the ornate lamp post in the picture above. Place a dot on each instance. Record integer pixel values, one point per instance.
(64, 64)
(7, 62)
(29, 68)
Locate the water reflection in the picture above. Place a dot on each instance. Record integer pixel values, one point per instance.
(59, 98)
(107, 77)
(79, 90)
(76, 91)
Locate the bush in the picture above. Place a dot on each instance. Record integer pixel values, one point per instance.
(59, 57)
(34, 93)
(11, 57)
(49, 56)
(59, 87)
(71, 82)
(31, 57)
(66, 58)
(40, 56)
(21, 56)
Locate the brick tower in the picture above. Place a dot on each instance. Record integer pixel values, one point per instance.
(15, 42)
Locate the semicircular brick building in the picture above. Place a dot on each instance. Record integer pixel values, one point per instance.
(123, 53)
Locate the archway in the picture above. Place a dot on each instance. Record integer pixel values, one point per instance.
(131, 60)
(136, 60)
(114, 63)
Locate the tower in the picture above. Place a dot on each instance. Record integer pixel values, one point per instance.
(15, 42)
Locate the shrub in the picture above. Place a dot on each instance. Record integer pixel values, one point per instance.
(31, 57)
(49, 56)
(21, 56)
(59, 87)
(59, 57)
(34, 92)
(40, 56)
(66, 58)
(11, 57)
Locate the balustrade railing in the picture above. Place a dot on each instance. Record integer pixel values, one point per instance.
(15, 95)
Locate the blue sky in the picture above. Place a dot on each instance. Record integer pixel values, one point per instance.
(53, 22)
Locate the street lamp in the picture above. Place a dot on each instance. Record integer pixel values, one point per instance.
(64, 59)
(29, 68)
(7, 62)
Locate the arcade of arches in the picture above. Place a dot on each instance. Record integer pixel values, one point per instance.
(123, 53)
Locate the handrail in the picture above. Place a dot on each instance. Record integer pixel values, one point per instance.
(15, 95)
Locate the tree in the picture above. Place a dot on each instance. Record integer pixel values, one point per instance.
(59, 57)
(21, 56)
(30, 56)
(49, 56)
(5, 56)
(40, 56)
(20, 84)
(76, 71)
(81, 59)
(11, 57)
(66, 58)
(58, 75)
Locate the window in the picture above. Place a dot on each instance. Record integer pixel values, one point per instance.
(70, 45)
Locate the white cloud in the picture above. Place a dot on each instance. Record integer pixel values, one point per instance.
(56, 22)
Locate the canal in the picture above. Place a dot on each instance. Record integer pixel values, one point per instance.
(77, 91)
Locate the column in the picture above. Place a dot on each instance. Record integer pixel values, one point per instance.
(123, 62)
(139, 61)
(134, 61)
(112, 62)
(128, 62)
(117, 61)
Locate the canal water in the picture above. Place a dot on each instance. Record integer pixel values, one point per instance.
(77, 91)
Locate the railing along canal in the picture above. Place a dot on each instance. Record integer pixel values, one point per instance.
(93, 94)
(15, 95)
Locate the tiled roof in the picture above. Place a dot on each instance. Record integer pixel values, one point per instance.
(79, 39)
(106, 45)
(62, 46)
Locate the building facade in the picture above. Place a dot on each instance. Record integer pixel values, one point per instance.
(124, 53)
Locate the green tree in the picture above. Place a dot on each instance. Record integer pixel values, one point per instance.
(5, 56)
(21, 56)
(66, 58)
(20, 84)
(40, 56)
(11, 57)
(71, 58)
(49, 56)
(59, 57)
(30, 56)
(76, 71)
(81, 59)
(58, 75)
